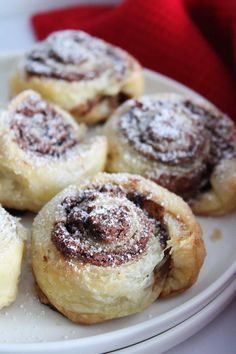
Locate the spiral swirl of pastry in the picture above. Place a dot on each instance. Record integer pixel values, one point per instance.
(109, 246)
(164, 132)
(175, 141)
(74, 56)
(39, 128)
(42, 151)
(106, 226)
(81, 73)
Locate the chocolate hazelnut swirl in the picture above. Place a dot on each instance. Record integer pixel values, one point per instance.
(42, 151)
(74, 56)
(106, 225)
(111, 245)
(82, 74)
(40, 128)
(175, 141)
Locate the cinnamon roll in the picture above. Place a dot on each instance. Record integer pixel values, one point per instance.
(42, 150)
(185, 145)
(108, 247)
(83, 74)
(12, 236)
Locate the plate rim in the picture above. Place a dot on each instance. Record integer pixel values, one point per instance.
(73, 343)
(215, 307)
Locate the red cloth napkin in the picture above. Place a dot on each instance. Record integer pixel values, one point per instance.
(192, 41)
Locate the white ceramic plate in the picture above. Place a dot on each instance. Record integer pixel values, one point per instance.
(29, 327)
(176, 335)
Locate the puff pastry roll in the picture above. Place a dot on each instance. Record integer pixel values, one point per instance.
(83, 74)
(42, 150)
(185, 145)
(108, 247)
(12, 236)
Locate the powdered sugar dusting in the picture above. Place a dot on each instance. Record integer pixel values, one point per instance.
(163, 131)
(7, 223)
(105, 226)
(182, 139)
(38, 128)
(74, 56)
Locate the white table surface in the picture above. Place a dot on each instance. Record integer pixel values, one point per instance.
(15, 35)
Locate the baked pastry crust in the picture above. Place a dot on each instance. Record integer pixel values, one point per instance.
(185, 145)
(84, 75)
(221, 199)
(43, 150)
(94, 256)
(12, 238)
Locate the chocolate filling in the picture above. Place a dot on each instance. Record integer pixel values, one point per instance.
(222, 132)
(106, 226)
(183, 136)
(39, 128)
(74, 56)
(112, 101)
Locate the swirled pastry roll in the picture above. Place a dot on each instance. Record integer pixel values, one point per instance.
(110, 246)
(42, 150)
(12, 236)
(83, 74)
(185, 145)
